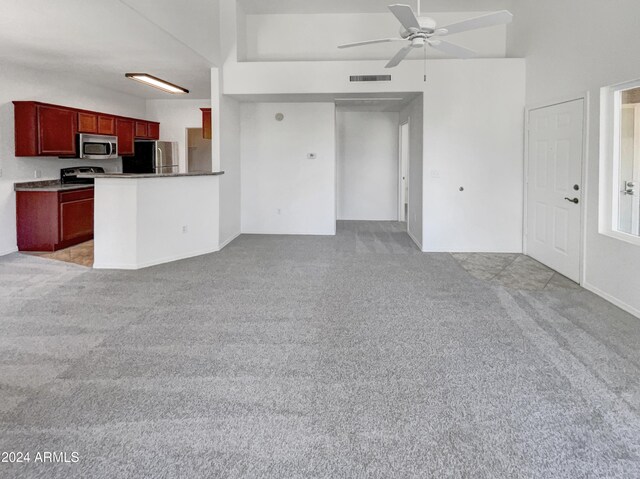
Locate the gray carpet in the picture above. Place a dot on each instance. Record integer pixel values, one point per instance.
(295, 357)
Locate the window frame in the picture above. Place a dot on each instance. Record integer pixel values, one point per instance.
(610, 127)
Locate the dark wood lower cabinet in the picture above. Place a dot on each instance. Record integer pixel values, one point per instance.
(52, 220)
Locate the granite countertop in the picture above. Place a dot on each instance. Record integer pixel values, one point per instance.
(148, 175)
(48, 185)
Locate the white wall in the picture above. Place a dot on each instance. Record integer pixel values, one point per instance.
(414, 113)
(175, 116)
(367, 165)
(300, 37)
(142, 222)
(283, 192)
(230, 163)
(19, 83)
(473, 138)
(564, 60)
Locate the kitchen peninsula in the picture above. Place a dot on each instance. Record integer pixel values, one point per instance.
(142, 220)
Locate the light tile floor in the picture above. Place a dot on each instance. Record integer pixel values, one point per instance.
(514, 271)
(81, 254)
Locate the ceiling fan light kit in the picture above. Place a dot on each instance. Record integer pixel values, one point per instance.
(420, 31)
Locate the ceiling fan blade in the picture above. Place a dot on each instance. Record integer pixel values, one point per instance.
(371, 42)
(395, 61)
(492, 19)
(453, 50)
(405, 15)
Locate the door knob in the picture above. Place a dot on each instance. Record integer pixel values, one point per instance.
(574, 200)
(629, 188)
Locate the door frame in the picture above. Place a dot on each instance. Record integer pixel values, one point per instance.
(407, 122)
(585, 187)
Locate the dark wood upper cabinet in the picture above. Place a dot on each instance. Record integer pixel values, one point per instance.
(87, 122)
(154, 130)
(125, 130)
(141, 129)
(106, 125)
(56, 131)
(42, 129)
(206, 123)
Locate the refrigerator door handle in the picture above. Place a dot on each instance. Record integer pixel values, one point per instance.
(159, 158)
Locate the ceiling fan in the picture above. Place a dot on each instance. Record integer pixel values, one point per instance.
(420, 31)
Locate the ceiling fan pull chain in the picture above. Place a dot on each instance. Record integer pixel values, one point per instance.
(425, 62)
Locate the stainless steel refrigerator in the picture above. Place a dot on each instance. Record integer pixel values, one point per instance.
(152, 157)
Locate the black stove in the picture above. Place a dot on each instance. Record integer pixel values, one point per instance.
(69, 176)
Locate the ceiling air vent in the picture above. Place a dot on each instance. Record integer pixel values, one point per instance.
(370, 78)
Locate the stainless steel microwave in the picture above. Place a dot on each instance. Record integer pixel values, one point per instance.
(97, 147)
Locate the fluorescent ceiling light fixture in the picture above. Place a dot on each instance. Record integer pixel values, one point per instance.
(369, 99)
(157, 83)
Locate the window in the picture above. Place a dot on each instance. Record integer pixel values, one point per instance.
(628, 161)
(620, 165)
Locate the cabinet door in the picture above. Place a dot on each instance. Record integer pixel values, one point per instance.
(141, 129)
(154, 131)
(106, 125)
(37, 220)
(56, 131)
(206, 123)
(126, 135)
(76, 220)
(87, 122)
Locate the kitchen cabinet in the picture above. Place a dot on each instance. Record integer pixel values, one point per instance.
(106, 125)
(141, 130)
(207, 134)
(44, 130)
(87, 122)
(52, 220)
(125, 130)
(153, 130)
(147, 130)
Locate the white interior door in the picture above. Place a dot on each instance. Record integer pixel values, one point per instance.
(403, 187)
(554, 186)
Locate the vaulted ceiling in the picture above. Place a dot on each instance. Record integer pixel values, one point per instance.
(100, 40)
(366, 6)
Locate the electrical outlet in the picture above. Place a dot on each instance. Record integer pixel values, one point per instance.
(311, 156)
(185, 229)
(279, 211)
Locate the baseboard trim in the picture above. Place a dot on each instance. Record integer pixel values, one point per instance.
(9, 251)
(418, 244)
(612, 299)
(148, 264)
(230, 240)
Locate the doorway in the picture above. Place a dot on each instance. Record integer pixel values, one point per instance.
(199, 154)
(367, 164)
(554, 186)
(403, 174)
